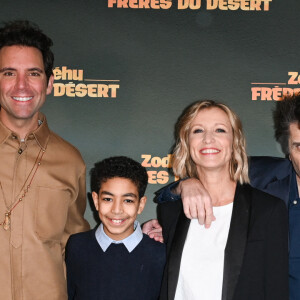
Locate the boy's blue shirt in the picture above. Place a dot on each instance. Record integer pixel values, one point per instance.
(130, 242)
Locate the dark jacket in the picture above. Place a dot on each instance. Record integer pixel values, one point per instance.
(256, 253)
(272, 175)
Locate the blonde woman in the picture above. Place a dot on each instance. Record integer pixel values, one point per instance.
(244, 255)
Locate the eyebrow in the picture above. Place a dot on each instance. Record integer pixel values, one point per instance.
(216, 124)
(124, 195)
(7, 69)
(36, 69)
(13, 69)
(296, 143)
(130, 195)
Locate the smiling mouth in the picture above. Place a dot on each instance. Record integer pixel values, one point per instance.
(22, 99)
(209, 151)
(117, 221)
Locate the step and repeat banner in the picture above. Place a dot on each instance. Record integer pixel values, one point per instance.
(125, 70)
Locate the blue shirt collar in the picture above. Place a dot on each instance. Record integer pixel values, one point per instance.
(130, 242)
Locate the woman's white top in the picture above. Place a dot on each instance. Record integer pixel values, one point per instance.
(202, 262)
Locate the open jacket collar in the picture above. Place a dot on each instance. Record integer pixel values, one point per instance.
(237, 239)
(175, 255)
(234, 250)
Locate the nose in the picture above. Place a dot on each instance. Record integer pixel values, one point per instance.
(117, 207)
(21, 82)
(208, 137)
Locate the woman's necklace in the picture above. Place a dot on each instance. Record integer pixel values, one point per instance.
(26, 186)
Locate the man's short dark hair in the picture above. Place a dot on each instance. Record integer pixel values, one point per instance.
(119, 166)
(286, 112)
(25, 33)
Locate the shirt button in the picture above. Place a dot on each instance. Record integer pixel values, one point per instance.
(295, 202)
(20, 151)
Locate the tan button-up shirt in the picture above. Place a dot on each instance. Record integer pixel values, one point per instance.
(32, 250)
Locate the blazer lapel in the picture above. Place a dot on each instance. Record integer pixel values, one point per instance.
(237, 239)
(182, 228)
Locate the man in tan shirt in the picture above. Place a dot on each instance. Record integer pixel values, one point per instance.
(42, 177)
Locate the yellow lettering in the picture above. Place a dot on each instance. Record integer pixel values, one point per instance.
(113, 88)
(155, 4)
(266, 93)
(81, 90)
(245, 5)
(266, 4)
(122, 4)
(103, 90)
(66, 74)
(166, 161)
(59, 89)
(70, 89)
(255, 92)
(57, 73)
(233, 5)
(146, 161)
(195, 4)
(151, 177)
(166, 4)
(111, 3)
(255, 5)
(133, 4)
(223, 4)
(183, 4)
(156, 162)
(277, 93)
(294, 78)
(92, 90)
(211, 4)
(162, 177)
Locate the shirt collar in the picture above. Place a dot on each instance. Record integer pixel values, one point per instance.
(4, 133)
(41, 134)
(130, 242)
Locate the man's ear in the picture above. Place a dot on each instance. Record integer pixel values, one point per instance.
(50, 85)
(142, 204)
(96, 200)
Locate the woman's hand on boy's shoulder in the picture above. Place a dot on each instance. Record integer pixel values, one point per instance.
(153, 229)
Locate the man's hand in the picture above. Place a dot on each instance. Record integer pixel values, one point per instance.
(154, 230)
(196, 201)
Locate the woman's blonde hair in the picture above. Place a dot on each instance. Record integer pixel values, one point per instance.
(183, 165)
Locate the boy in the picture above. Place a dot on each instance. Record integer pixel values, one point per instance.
(116, 261)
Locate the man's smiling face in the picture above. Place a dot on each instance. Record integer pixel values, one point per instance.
(23, 83)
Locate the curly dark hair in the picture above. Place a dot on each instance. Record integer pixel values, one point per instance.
(287, 111)
(119, 166)
(25, 33)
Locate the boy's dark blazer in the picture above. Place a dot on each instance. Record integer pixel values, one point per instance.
(256, 253)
